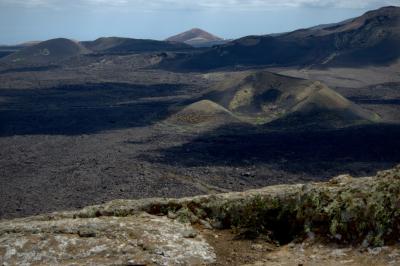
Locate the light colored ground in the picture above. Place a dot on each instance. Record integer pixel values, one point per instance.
(347, 77)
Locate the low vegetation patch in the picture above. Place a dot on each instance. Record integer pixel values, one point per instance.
(364, 211)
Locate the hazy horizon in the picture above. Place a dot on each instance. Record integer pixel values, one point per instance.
(38, 20)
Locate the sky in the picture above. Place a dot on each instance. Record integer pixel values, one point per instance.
(33, 20)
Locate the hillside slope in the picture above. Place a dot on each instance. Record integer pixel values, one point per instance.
(371, 39)
(202, 113)
(197, 38)
(9, 49)
(128, 45)
(263, 97)
(46, 52)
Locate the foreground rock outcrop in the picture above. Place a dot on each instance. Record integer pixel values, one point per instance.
(138, 239)
(346, 210)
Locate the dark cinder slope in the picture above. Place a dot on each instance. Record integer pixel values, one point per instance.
(371, 39)
(204, 113)
(128, 45)
(263, 97)
(9, 49)
(197, 38)
(46, 52)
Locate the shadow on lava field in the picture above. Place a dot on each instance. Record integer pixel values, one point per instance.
(83, 109)
(321, 153)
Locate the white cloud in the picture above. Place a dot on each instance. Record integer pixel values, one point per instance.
(198, 4)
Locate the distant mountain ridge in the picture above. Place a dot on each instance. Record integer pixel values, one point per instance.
(197, 38)
(371, 39)
(56, 50)
(6, 50)
(47, 52)
(129, 45)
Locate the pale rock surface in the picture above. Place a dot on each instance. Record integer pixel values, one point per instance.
(134, 240)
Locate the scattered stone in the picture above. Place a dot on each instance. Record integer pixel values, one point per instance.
(172, 215)
(341, 179)
(205, 224)
(257, 247)
(346, 261)
(338, 236)
(184, 215)
(87, 232)
(338, 253)
(189, 233)
(393, 255)
(216, 224)
(374, 251)
(311, 235)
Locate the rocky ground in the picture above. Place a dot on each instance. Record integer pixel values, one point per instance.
(346, 221)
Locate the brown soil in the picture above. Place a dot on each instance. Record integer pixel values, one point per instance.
(233, 251)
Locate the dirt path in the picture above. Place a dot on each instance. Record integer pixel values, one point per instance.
(233, 251)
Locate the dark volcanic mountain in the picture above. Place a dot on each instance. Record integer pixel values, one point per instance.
(262, 97)
(56, 50)
(9, 49)
(197, 38)
(128, 45)
(372, 39)
(46, 52)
